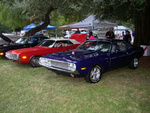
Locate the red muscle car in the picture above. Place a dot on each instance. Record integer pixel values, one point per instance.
(48, 46)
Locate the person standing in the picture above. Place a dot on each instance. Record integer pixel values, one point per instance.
(127, 37)
(123, 34)
(91, 35)
(110, 34)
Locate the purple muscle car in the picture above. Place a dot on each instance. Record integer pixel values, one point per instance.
(94, 57)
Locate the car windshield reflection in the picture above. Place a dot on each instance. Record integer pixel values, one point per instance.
(95, 45)
(22, 40)
(47, 43)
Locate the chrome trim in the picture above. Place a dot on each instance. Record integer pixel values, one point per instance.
(67, 71)
(56, 65)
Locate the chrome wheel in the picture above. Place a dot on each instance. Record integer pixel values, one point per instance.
(136, 62)
(34, 62)
(94, 75)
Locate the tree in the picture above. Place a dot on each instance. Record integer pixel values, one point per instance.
(9, 16)
(136, 11)
(5, 29)
(42, 10)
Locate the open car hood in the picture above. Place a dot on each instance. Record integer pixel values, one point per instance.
(5, 38)
(79, 37)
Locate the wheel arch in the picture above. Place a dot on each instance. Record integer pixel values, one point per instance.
(34, 56)
(33, 61)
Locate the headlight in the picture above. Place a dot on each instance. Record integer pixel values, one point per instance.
(71, 66)
(44, 61)
(1, 53)
(12, 56)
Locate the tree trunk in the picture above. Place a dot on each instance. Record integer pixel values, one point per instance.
(42, 26)
(142, 28)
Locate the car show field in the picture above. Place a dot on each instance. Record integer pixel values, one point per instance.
(81, 56)
(25, 89)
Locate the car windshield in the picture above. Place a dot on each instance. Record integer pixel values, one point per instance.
(22, 40)
(95, 45)
(47, 43)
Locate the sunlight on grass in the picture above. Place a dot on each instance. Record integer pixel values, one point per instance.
(25, 89)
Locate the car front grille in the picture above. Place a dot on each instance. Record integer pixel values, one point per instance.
(11, 56)
(57, 65)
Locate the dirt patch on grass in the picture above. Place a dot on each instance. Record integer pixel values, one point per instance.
(145, 62)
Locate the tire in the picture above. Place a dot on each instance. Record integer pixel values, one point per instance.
(134, 63)
(94, 75)
(34, 62)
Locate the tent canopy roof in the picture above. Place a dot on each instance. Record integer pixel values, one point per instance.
(92, 22)
(31, 26)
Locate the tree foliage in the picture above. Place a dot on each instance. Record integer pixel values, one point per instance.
(135, 11)
(19, 12)
(10, 17)
(42, 10)
(5, 29)
(119, 9)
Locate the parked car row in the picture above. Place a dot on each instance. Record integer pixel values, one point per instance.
(88, 59)
(23, 42)
(48, 46)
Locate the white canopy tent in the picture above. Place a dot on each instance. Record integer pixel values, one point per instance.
(120, 29)
(91, 22)
(104, 24)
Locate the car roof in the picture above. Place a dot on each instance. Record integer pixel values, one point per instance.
(36, 36)
(107, 40)
(72, 40)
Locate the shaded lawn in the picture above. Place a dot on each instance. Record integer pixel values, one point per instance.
(25, 89)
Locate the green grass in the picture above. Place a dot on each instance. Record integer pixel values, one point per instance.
(37, 90)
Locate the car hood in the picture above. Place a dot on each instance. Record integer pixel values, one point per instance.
(9, 45)
(72, 56)
(5, 38)
(29, 50)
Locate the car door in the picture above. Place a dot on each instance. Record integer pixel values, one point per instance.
(119, 55)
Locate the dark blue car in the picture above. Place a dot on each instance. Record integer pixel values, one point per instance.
(94, 57)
